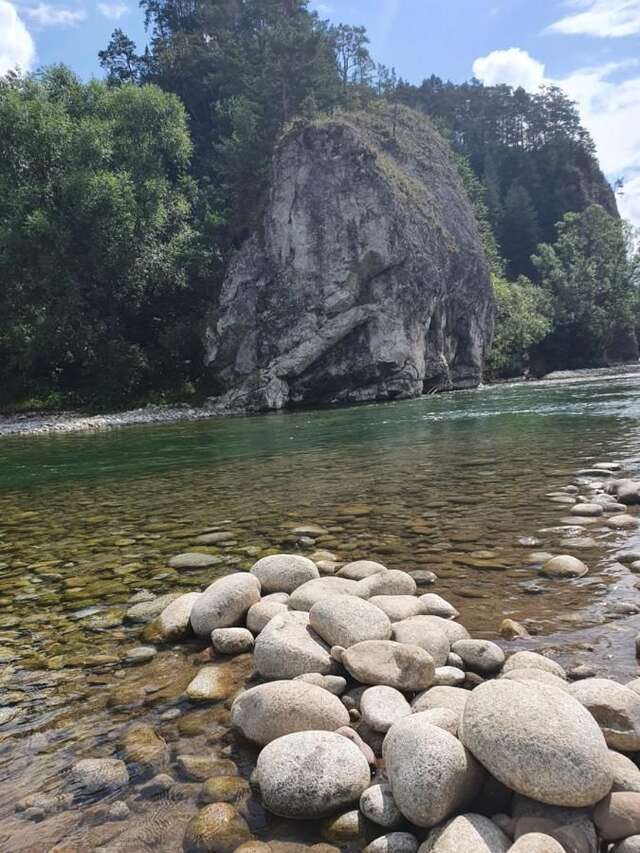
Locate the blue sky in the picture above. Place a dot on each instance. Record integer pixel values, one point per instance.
(589, 47)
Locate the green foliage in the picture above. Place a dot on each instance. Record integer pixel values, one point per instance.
(523, 319)
(98, 251)
(591, 275)
(519, 231)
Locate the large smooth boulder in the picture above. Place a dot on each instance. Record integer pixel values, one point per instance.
(421, 631)
(232, 641)
(454, 631)
(532, 660)
(225, 603)
(174, 621)
(538, 676)
(382, 706)
(305, 596)
(453, 698)
(393, 664)
(431, 773)
(311, 775)
(538, 741)
(481, 656)
(262, 613)
(346, 620)
(471, 833)
(377, 804)
(279, 708)
(284, 572)
(392, 582)
(287, 647)
(398, 607)
(616, 709)
(435, 605)
(361, 569)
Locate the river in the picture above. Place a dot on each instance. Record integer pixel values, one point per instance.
(451, 483)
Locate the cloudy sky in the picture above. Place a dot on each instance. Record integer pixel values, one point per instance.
(589, 47)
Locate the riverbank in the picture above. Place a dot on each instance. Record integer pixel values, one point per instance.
(38, 423)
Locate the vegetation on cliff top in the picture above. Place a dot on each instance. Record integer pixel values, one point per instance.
(122, 201)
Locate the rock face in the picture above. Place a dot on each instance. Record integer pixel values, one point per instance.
(366, 279)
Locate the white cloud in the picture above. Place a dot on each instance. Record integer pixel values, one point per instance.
(46, 15)
(513, 66)
(603, 18)
(16, 45)
(113, 11)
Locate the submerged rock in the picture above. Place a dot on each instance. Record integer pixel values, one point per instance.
(98, 775)
(327, 304)
(216, 828)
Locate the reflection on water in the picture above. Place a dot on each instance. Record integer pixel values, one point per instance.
(89, 521)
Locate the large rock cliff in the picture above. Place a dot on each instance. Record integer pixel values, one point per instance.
(367, 279)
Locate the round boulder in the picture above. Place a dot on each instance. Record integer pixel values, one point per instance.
(431, 774)
(472, 833)
(532, 660)
(381, 707)
(224, 603)
(538, 741)
(361, 569)
(481, 656)
(391, 582)
(422, 631)
(311, 775)
(392, 664)
(453, 698)
(346, 620)
(398, 607)
(536, 842)
(284, 572)
(287, 647)
(279, 708)
(616, 709)
(436, 605)
(564, 566)
(262, 613)
(232, 641)
(305, 596)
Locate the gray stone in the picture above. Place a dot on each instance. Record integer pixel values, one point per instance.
(454, 631)
(232, 641)
(398, 607)
(346, 828)
(453, 698)
(147, 611)
(377, 804)
(98, 775)
(284, 572)
(361, 569)
(141, 654)
(443, 718)
(287, 647)
(285, 322)
(536, 842)
(616, 709)
(335, 684)
(391, 582)
(618, 816)
(629, 845)
(173, 623)
(194, 561)
(422, 631)
(587, 510)
(382, 706)
(436, 605)
(471, 833)
(622, 522)
(481, 656)
(396, 665)
(532, 660)
(225, 603)
(538, 741)
(540, 676)
(393, 842)
(448, 676)
(260, 614)
(311, 774)
(431, 774)
(279, 708)
(626, 774)
(564, 566)
(346, 620)
(305, 596)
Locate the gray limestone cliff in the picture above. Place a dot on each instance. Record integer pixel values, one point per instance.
(367, 279)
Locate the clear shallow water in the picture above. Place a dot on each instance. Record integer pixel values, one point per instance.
(448, 483)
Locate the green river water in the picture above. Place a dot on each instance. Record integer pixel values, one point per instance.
(451, 483)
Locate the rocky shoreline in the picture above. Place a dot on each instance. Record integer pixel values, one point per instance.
(69, 422)
(373, 716)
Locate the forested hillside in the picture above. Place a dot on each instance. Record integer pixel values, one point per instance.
(123, 200)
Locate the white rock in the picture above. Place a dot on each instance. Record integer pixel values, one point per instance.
(448, 676)
(392, 664)
(225, 603)
(626, 774)
(532, 660)
(436, 605)
(361, 569)
(616, 709)
(431, 774)
(536, 842)
(538, 741)
(391, 582)
(284, 572)
(262, 613)
(305, 596)
(311, 774)
(232, 641)
(564, 566)
(421, 631)
(471, 833)
(279, 708)
(538, 676)
(382, 706)
(453, 698)
(287, 647)
(377, 804)
(481, 656)
(335, 684)
(398, 607)
(173, 623)
(454, 631)
(346, 620)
